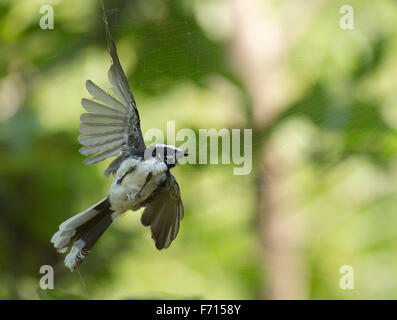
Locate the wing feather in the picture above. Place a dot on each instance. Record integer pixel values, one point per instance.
(104, 129)
(112, 123)
(102, 118)
(102, 96)
(163, 214)
(94, 139)
(101, 148)
(97, 108)
(117, 83)
(102, 156)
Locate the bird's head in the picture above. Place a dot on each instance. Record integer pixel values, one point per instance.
(167, 154)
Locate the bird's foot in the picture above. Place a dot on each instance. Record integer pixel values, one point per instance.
(120, 180)
(148, 177)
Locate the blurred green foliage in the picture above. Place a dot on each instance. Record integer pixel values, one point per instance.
(338, 132)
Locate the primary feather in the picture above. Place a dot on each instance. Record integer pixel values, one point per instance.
(112, 123)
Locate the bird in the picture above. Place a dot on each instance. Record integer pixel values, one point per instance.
(141, 175)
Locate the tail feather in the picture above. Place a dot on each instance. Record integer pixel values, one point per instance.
(80, 232)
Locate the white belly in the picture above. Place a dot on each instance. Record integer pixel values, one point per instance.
(123, 196)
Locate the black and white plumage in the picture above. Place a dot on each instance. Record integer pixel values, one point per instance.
(142, 175)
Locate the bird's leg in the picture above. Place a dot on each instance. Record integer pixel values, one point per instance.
(120, 180)
(148, 177)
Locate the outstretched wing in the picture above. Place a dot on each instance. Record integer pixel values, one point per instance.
(112, 124)
(164, 213)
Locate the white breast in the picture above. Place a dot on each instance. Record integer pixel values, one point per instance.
(123, 196)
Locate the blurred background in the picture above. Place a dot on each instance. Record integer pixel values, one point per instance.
(322, 103)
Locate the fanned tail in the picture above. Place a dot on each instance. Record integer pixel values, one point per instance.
(80, 232)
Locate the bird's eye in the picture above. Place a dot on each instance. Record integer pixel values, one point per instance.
(154, 153)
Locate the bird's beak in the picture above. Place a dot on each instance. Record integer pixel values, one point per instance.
(186, 154)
